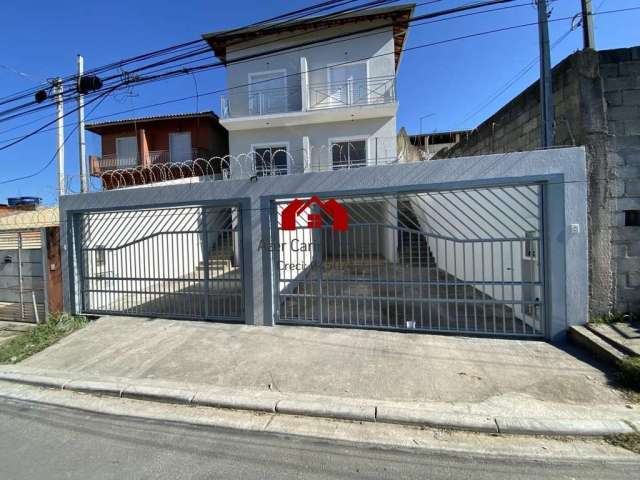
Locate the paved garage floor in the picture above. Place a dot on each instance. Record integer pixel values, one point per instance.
(339, 362)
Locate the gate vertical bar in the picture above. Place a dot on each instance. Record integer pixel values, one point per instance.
(274, 238)
(542, 246)
(20, 281)
(205, 260)
(44, 250)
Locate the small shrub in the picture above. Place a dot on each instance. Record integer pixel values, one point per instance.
(614, 317)
(40, 337)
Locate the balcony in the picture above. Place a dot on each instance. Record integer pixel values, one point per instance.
(111, 162)
(367, 91)
(314, 103)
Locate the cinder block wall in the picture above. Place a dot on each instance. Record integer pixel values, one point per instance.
(597, 104)
(620, 72)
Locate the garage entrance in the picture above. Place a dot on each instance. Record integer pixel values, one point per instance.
(181, 262)
(467, 261)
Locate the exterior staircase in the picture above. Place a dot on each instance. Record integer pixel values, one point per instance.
(413, 249)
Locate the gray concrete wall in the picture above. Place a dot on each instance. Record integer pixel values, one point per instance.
(562, 172)
(597, 104)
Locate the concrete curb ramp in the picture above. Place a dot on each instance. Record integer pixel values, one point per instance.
(343, 409)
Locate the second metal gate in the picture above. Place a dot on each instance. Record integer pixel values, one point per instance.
(467, 260)
(23, 283)
(179, 262)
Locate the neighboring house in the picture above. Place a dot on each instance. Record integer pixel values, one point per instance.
(597, 104)
(30, 269)
(158, 148)
(321, 107)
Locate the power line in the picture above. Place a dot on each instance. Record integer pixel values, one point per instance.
(48, 164)
(463, 37)
(513, 80)
(69, 95)
(121, 63)
(405, 49)
(272, 52)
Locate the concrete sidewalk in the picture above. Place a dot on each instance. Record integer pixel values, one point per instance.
(471, 383)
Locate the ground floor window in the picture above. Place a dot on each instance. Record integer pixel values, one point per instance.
(271, 160)
(348, 153)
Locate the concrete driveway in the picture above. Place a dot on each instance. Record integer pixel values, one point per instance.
(498, 374)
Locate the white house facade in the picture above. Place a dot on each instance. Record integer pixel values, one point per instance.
(313, 95)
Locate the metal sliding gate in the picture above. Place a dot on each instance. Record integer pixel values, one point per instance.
(468, 261)
(23, 283)
(178, 262)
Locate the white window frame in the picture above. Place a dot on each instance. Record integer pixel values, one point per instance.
(190, 144)
(283, 71)
(343, 64)
(271, 145)
(357, 138)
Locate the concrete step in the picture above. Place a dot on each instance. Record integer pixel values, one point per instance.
(596, 345)
(610, 334)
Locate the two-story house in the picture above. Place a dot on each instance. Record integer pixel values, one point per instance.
(313, 94)
(159, 148)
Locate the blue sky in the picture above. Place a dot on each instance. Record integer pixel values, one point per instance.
(446, 83)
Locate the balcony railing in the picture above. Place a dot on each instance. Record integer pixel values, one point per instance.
(356, 92)
(247, 103)
(364, 91)
(114, 162)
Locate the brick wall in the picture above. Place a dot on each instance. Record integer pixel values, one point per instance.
(597, 104)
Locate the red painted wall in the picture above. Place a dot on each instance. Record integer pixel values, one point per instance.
(206, 134)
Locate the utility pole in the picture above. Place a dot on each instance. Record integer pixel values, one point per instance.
(587, 25)
(84, 184)
(58, 90)
(546, 89)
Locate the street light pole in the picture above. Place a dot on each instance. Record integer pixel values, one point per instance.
(58, 89)
(587, 25)
(84, 184)
(546, 89)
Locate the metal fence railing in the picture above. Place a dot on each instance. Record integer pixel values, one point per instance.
(363, 91)
(110, 162)
(248, 101)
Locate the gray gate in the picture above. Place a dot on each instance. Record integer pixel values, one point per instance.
(179, 262)
(23, 295)
(466, 261)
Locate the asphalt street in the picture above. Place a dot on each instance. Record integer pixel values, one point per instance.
(42, 442)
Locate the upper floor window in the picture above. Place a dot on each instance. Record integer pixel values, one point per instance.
(348, 153)
(347, 84)
(271, 159)
(268, 92)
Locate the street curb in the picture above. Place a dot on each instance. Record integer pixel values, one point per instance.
(331, 408)
(429, 418)
(591, 428)
(216, 399)
(158, 394)
(96, 388)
